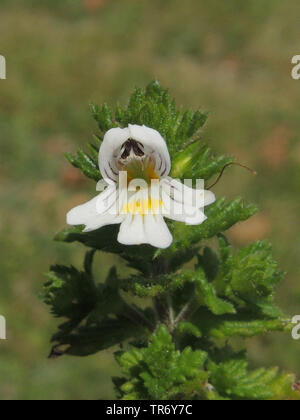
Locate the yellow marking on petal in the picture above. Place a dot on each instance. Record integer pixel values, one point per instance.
(142, 207)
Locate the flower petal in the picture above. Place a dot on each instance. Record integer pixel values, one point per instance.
(183, 194)
(80, 215)
(103, 220)
(148, 229)
(157, 232)
(181, 212)
(112, 142)
(132, 230)
(156, 145)
(98, 212)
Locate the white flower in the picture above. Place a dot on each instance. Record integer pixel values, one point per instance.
(135, 165)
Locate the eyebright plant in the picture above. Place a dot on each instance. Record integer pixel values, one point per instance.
(194, 299)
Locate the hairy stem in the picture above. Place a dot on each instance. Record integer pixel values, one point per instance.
(171, 311)
(161, 309)
(187, 310)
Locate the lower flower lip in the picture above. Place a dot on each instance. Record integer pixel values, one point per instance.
(141, 212)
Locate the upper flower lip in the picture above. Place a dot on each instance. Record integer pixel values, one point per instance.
(141, 204)
(152, 144)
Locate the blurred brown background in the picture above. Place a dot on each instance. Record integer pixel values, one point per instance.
(231, 58)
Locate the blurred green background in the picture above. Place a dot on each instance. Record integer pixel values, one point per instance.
(231, 58)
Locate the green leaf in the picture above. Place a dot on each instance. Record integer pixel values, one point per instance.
(197, 162)
(89, 340)
(97, 316)
(251, 277)
(209, 261)
(160, 369)
(189, 328)
(87, 165)
(232, 379)
(221, 215)
(104, 117)
(70, 293)
(239, 325)
(206, 294)
(285, 387)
